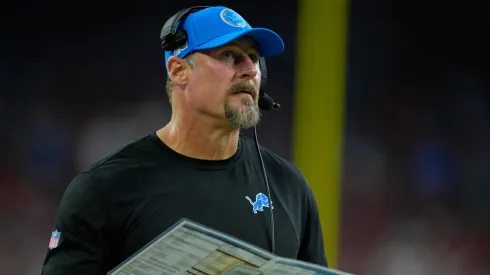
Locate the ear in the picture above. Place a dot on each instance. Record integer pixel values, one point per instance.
(177, 70)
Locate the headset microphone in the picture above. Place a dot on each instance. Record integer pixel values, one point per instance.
(267, 103)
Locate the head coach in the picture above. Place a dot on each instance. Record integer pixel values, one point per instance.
(198, 166)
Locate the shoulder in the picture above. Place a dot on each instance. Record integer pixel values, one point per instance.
(129, 156)
(120, 166)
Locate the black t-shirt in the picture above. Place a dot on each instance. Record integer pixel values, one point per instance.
(124, 201)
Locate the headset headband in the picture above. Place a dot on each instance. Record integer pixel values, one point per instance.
(170, 27)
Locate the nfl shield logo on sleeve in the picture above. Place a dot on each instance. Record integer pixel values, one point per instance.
(55, 239)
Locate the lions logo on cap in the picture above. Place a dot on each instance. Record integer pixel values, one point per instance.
(232, 18)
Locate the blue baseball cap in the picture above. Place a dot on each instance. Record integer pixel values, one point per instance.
(216, 26)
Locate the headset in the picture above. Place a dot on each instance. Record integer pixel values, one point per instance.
(174, 38)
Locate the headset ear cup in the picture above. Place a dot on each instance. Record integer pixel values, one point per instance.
(263, 82)
(168, 43)
(263, 72)
(175, 41)
(180, 38)
(170, 36)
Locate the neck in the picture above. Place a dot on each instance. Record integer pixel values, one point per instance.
(199, 139)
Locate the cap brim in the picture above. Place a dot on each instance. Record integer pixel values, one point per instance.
(270, 43)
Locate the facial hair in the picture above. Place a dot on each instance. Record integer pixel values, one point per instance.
(245, 116)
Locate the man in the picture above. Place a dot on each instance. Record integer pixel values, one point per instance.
(197, 166)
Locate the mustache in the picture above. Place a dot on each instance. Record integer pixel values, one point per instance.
(238, 87)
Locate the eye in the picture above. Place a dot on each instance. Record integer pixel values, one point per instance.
(254, 57)
(229, 56)
(234, 57)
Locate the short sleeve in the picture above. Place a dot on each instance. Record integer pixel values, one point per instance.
(79, 243)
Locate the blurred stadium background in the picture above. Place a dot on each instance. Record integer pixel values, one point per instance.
(385, 107)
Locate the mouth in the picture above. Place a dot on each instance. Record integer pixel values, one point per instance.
(246, 92)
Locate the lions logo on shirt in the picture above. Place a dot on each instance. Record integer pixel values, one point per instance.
(261, 201)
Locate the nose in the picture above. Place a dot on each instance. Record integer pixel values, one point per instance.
(248, 68)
